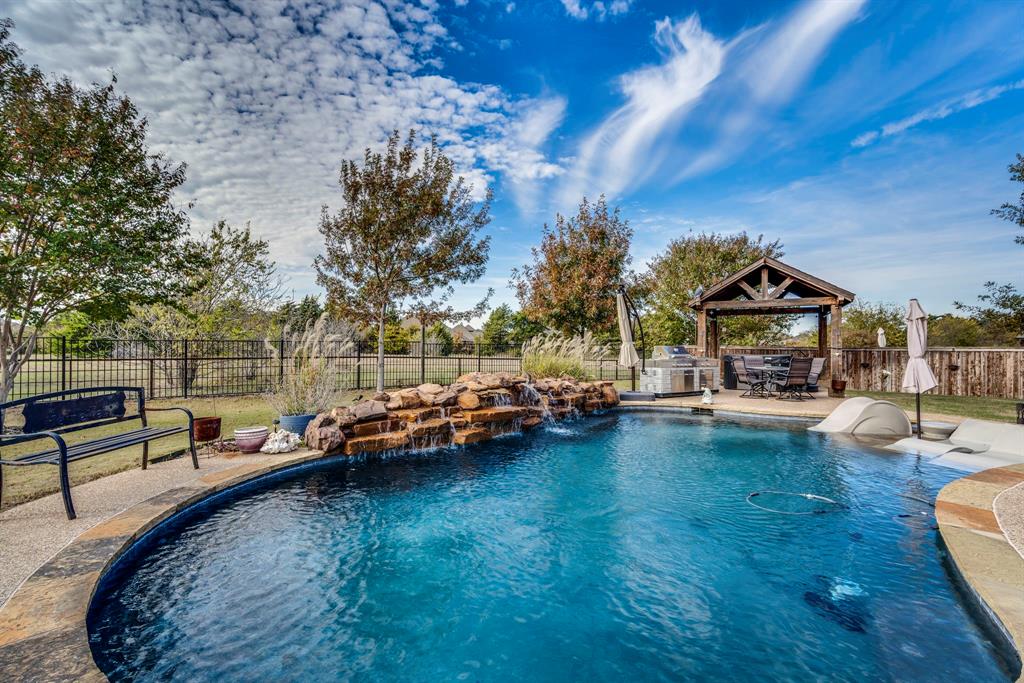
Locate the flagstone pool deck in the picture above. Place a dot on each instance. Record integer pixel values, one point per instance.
(52, 565)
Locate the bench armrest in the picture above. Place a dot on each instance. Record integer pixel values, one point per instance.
(11, 439)
(191, 417)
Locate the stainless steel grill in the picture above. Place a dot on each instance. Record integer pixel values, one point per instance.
(673, 371)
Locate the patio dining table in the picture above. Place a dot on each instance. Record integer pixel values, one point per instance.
(775, 367)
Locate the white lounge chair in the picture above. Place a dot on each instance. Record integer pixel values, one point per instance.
(974, 445)
(865, 416)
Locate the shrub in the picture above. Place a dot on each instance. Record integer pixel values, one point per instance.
(312, 373)
(554, 355)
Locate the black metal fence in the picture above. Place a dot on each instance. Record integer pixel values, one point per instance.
(182, 368)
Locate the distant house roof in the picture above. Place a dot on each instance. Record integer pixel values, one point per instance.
(466, 333)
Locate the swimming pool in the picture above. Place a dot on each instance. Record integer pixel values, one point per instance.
(622, 547)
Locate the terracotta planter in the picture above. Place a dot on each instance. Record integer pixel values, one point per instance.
(250, 439)
(207, 428)
(839, 388)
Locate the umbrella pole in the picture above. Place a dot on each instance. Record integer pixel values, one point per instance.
(632, 377)
(919, 414)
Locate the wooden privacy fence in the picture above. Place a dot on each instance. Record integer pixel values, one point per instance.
(997, 373)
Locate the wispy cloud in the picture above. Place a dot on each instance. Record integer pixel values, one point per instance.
(620, 151)
(938, 112)
(771, 67)
(599, 10)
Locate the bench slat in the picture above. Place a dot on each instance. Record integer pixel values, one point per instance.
(109, 443)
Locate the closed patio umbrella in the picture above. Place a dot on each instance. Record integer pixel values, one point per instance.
(918, 377)
(881, 338)
(627, 352)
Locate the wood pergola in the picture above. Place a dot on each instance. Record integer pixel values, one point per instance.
(770, 287)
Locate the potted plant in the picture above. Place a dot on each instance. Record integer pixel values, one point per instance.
(839, 388)
(308, 374)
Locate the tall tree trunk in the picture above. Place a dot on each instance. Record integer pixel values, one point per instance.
(380, 348)
(13, 355)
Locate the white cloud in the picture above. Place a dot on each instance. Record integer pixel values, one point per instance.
(523, 164)
(598, 10)
(263, 100)
(940, 111)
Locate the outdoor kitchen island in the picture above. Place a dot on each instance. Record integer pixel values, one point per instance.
(673, 371)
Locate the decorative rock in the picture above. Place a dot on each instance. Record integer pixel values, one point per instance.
(324, 439)
(370, 410)
(283, 441)
(416, 414)
(445, 398)
(430, 389)
(343, 416)
(322, 420)
(437, 425)
(469, 400)
(592, 404)
(531, 422)
(609, 395)
(377, 427)
(470, 435)
(405, 399)
(381, 396)
(495, 414)
(374, 443)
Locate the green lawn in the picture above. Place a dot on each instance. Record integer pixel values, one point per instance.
(982, 408)
(22, 484)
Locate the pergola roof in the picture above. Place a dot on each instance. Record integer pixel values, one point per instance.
(770, 286)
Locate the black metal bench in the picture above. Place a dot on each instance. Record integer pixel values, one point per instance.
(49, 416)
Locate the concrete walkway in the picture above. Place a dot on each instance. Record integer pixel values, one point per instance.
(32, 533)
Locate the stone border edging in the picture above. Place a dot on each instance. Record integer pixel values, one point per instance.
(988, 567)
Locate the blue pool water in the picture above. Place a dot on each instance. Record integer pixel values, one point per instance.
(616, 548)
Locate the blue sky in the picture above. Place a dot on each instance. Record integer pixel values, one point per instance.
(872, 138)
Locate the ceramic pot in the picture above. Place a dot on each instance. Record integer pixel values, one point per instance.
(296, 424)
(249, 439)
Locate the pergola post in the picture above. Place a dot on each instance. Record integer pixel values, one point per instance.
(702, 332)
(836, 369)
(822, 332)
(713, 336)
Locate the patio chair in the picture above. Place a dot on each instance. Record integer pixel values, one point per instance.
(757, 387)
(793, 385)
(817, 366)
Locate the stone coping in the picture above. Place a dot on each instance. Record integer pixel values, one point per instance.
(44, 634)
(989, 568)
(43, 630)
